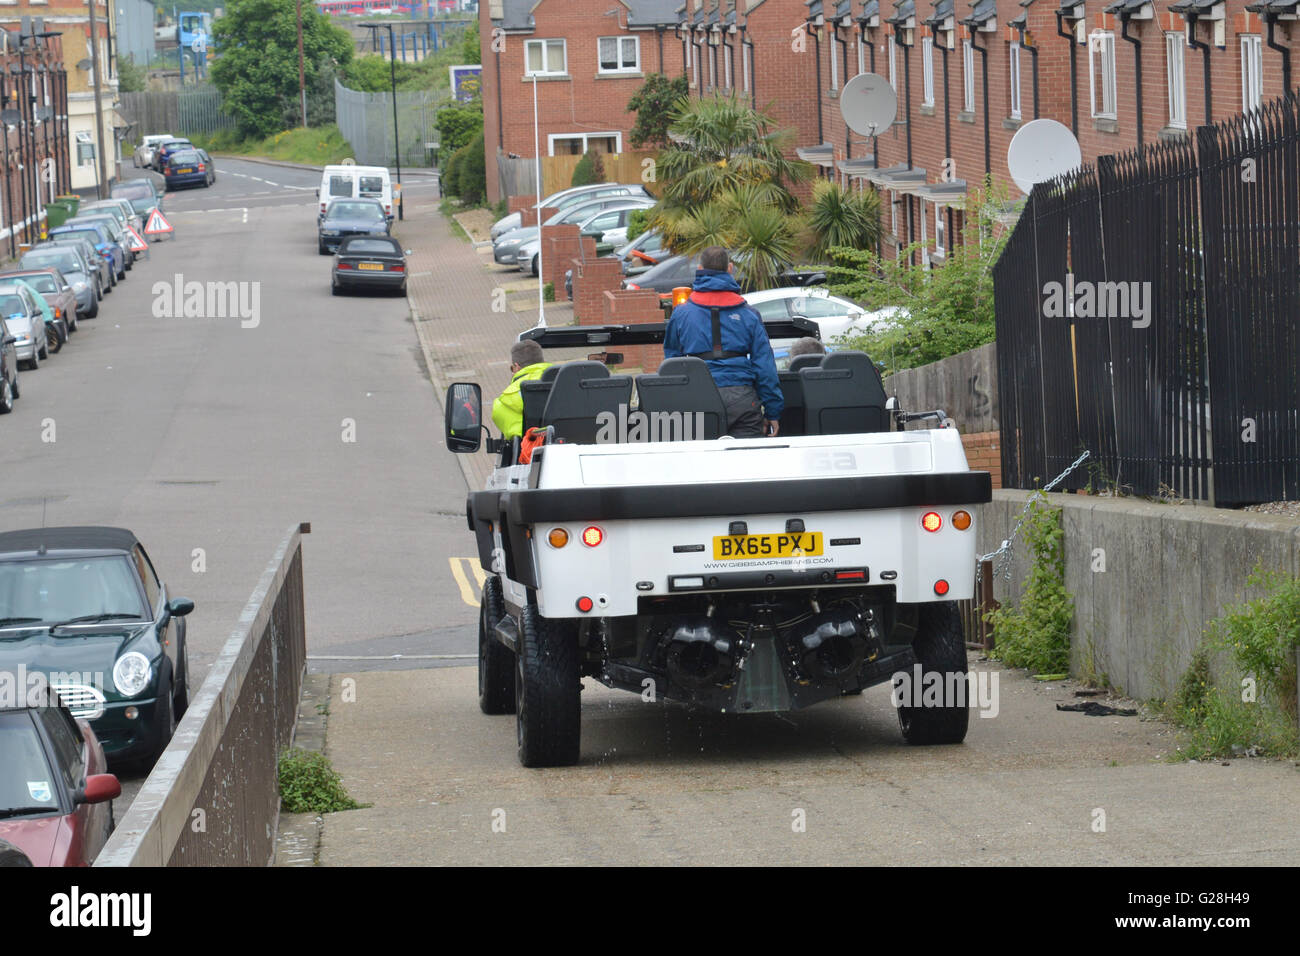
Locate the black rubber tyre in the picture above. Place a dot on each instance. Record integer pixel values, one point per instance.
(94, 306)
(335, 289)
(320, 248)
(181, 696)
(496, 662)
(17, 393)
(164, 723)
(940, 647)
(548, 705)
(6, 397)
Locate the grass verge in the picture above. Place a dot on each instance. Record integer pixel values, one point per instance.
(320, 146)
(310, 784)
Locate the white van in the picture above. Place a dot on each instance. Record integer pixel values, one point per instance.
(355, 182)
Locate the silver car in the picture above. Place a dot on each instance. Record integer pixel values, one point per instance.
(611, 221)
(120, 208)
(144, 153)
(72, 265)
(26, 321)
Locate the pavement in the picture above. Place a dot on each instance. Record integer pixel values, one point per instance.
(658, 783)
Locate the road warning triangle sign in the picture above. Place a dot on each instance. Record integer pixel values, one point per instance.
(137, 241)
(157, 225)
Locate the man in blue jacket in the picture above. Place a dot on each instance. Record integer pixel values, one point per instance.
(716, 325)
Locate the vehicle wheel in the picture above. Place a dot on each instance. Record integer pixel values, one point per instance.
(164, 722)
(496, 664)
(534, 265)
(335, 289)
(45, 346)
(54, 346)
(121, 275)
(94, 306)
(99, 294)
(181, 698)
(72, 323)
(548, 707)
(320, 247)
(7, 398)
(34, 362)
(940, 648)
(17, 393)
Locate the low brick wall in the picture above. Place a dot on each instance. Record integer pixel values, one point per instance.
(630, 307)
(524, 206)
(984, 453)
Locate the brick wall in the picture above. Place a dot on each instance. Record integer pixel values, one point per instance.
(629, 308)
(983, 453)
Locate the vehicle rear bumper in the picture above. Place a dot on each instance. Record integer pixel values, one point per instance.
(369, 280)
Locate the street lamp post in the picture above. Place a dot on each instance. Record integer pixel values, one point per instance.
(397, 148)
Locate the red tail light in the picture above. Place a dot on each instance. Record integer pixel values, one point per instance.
(633, 285)
(344, 265)
(397, 268)
(202, 167)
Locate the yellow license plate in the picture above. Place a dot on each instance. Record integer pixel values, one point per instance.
(187, 169)
(372, 266)
(737, 546)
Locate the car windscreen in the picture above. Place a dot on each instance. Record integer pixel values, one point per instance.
(133, 191)
(355, 210)
(105, 222)
(64, 263)
(46, 591)
(11, 305)
(27, 782)
(94, 235)
(371, 247)
(114, 210)
(371, 186)
(42, 283)
(340, 186)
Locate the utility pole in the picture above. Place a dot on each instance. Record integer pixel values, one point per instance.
(392, 70)
(99, 104)
(302, 83)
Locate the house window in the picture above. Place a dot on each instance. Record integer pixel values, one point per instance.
(967, 77)
(726, 64)
(620, 54)
(713, 67)
(1014, 60)
(940, 232)
(893, 64)
(1101, 74)
(927, 71)
(545, 58)
(893, 212)
(1252, 66)
(835, 68)
(744, 69)
(1174, 44)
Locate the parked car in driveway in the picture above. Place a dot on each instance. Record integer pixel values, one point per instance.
(26, 322)
(8, 369)
(351, 217)
(141, 194)
(606, 225)
(55, 790)
(567, 197)
(87, 602)
(72, 266)
(189, 167)
(369, 262)
(506, 249)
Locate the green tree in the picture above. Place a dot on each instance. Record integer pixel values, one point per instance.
(131, 78)
(945, 309)
(258, 67)
(589, 170)
(469, 45)
(458, 125)
(653, 105)
(727, 182)
(469, 172)
(841, 217)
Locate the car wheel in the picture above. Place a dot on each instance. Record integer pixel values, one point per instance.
(496, 662)
(54, 346)
(181, 699)
(320, 247)
(164, 721)
(34, 362)
(7, 398)
(534, 265)
(45, 346)
(335, 289)
(94, 306)
(17, 393)
(548, 707)
(940, 649)
(72, 322)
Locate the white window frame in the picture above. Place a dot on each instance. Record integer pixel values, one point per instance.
(713, 66)
(967, 76)
(862, 56)
(940, 231)
(726, 63)
(1013, 60)
(1252, 72)
(893, 62)
(744, 69)
(925, 247)
(893, 213)
(543, 43)
(1176, 77)
(835, 67)
(620, 39)
(927, 71)
(1101, 56)
(585, 137)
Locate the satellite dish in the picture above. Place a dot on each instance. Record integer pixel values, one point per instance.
(10, 117)
(868, 104)
(1042, 149)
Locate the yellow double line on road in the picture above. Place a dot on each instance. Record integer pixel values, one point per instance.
(464, 570)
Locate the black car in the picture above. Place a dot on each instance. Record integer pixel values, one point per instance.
(370, 262)
(8, 369)
(84, 606)
(350, 217)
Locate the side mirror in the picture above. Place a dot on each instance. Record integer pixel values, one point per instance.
(464, 417)
(180, 606)
(66, 288)
(99, 788)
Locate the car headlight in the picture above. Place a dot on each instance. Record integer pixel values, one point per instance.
(80, 286)
(329, 232)
(131, 673)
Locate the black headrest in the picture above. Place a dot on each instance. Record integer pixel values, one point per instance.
(684, 385)
(811, 360)
(551, 372)
(580, 392)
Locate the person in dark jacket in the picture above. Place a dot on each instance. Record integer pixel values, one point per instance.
(738, 353)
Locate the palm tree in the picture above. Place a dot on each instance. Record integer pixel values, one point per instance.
(841, 217)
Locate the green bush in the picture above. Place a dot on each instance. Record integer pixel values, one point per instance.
(471, 176)
(458, 125)
(1035, 632)
(637, 223)
(309, 784)
(450, 173)
(589, 170)
(548, 292)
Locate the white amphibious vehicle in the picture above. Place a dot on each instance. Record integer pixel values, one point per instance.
(740, 575)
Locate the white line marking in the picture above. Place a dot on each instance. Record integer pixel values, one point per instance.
(393, 657)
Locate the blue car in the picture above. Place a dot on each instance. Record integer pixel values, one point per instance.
(188, 167)
(99, 238)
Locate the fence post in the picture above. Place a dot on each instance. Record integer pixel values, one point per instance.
(987, 603)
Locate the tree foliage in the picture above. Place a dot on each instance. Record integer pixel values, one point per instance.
(257, 71)
(131, 77)
(653, 105)
(458, 125)
(947, 309)
(589, 170)
(841, 217)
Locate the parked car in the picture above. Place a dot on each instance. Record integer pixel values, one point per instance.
(120, 208)
(166, 149)
(87, 602)
(635, 257)
(26, 322)
(54, 289)
(56, 327)
(369, 262)
(834, 316)
(8, 368)
(115, 231)
(557, 200)
(100, 237)
(605, 224)
(141, 194)
(102, 263)
(189, 167)
(143, 155)
(55, 792)
(351, 217)
(75, 270)
(354, 182)
(506, 249)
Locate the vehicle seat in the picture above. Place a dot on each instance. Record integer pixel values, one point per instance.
(534, 394)
(806, 361)
(682, 385)
(844, 395)
(580, 392)
(792, 388)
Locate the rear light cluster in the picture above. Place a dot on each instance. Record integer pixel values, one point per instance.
(559, 537)
(933, 521)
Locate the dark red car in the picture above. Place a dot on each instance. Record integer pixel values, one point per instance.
(55, 798)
